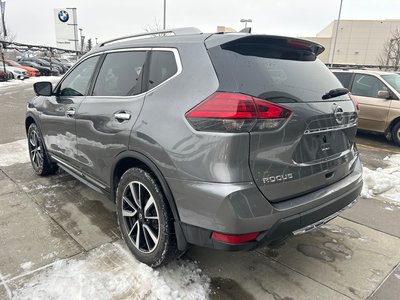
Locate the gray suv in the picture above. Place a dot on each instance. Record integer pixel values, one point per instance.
(228, 141)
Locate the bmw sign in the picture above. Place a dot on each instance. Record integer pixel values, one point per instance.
(66, 28)
(63, 16)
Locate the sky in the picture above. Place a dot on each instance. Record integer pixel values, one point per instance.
(32, 21)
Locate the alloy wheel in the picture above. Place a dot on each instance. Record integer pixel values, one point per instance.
(35, 150)
(141, 217)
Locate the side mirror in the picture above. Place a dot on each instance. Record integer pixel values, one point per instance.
(43, 88)
(383, 94)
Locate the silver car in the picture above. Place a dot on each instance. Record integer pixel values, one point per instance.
(228, 141)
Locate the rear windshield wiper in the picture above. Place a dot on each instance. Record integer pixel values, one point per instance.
(335, 93)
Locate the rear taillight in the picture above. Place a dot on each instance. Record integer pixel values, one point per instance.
(354, 99)
(234, 112)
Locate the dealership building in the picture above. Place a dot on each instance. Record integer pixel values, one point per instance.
(358, 42)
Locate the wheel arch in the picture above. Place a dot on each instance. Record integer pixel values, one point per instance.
(130, 159)
(28, 121)
(31, 119)
(392, 124)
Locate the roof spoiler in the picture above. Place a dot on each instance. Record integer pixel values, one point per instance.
(222, 39)
(246, 30)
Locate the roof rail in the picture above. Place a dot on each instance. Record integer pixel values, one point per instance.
(176, 31)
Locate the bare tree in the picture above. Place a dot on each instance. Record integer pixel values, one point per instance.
(390, 56)
(10, 36)
(89, 44)
(156, 26)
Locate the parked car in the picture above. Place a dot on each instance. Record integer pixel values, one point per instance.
(66, 62)
(3, 75)
(43, 70)
(32, 72)
(378, 94)
(57, 63)
(42, 63)
(231, 150)
(16, 73)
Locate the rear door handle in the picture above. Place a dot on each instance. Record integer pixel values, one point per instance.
(122, 116)
(70, 112)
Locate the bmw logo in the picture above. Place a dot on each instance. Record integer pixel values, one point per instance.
(63, 16)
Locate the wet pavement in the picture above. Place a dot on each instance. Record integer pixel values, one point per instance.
(45, 219)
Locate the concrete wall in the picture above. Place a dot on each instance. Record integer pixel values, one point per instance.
(358, 41)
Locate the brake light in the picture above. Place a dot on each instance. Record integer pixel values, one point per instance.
(234, 239)
(355, 102)
(298, 44)
(234, 112)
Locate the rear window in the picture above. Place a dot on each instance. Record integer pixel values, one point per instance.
(162, 67)
(272, 71)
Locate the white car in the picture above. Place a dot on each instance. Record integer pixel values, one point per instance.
(16, 73)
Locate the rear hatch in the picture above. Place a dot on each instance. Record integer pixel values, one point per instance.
(313, 145)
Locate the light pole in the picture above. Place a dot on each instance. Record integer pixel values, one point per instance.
(165, 14)
(3, 10)
(245, 21)
(337, 31)
(82, 38)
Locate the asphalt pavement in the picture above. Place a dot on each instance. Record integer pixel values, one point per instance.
(45, 219)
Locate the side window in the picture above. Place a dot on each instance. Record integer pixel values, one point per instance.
(120, 74)
(367, 86)
(162, 66)
(344, 78)
(77, 82)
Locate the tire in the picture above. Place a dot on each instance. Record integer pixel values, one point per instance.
(396, 133)
(37, 153)
(145, 219)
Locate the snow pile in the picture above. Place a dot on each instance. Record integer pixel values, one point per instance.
(13, 153)
(31, 80)
(383, 182)
(26, 265)
(111, 272)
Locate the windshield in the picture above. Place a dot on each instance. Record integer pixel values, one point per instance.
(393, 80)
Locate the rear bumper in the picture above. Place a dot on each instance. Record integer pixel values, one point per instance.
(241, 209)
(281, 230)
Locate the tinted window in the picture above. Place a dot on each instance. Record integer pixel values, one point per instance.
(120, 74)
(77, 82)
(367, 86)
(344, 78)
(272, 72)
(162, 67)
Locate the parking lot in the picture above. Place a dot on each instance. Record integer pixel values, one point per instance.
(59, 237)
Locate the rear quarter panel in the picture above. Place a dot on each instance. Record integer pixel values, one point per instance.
(163, 134)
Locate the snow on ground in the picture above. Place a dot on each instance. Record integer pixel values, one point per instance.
(31, 80)
(111, 272)
(107, 272)
(26, 265)
(13, 153)
(384, 183)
